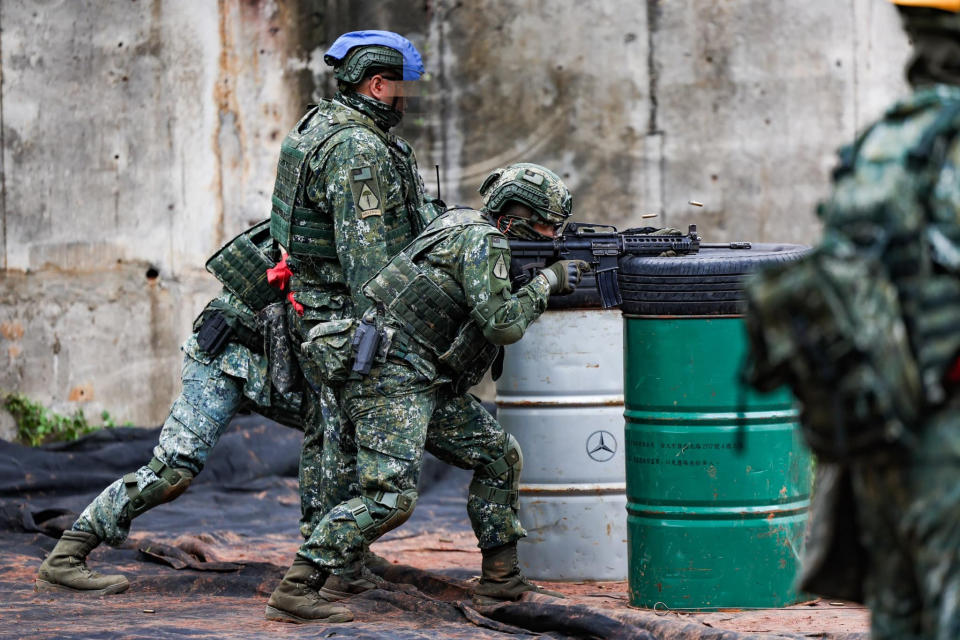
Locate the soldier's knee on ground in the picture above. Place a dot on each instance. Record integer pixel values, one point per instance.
(490, 479)
(390, 510)
(171, 482)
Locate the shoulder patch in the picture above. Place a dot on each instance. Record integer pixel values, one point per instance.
(499, 262)
(367, 195)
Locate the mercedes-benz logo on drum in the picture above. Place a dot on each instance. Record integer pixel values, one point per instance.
(601, 446)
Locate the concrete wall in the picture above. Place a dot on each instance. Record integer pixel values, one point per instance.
(137, 136)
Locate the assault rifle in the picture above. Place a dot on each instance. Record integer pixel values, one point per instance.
(599, 244)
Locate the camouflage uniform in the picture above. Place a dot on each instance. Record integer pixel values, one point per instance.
(865, 332)
(907, 502)
(415, 398)
(358, 188)
(215, 388)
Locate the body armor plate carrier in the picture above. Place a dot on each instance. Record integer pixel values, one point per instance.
(241, 266)
(430, 317)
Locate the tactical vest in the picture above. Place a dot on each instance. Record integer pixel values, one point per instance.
(888, 208)
(241, 266)
(410, 299)
(864, 328)
(308, 232)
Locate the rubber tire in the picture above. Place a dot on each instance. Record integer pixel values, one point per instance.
(707, 283)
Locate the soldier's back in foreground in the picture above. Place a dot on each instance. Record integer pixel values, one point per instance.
(865, 331)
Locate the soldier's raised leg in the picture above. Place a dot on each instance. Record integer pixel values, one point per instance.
(209, 400)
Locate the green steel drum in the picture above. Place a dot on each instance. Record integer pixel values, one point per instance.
(710, 524)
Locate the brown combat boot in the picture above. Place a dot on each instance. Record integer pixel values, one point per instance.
(373, 560)
(65, 569)
(297, 598)
(342, 587)
(502, 579)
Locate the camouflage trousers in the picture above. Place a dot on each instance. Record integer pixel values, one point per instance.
(209, 399)
(908, 516)
(389, 418)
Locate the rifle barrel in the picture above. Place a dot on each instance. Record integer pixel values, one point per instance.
(725, 245)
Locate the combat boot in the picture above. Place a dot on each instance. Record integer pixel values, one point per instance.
(65, 569)
(502, 578)
(374, 561)
(339, 587)
(297, 598)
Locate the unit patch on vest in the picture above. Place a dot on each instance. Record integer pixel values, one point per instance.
(498, 257)
(366, 191)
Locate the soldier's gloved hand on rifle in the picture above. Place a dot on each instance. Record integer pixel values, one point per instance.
(564, 275)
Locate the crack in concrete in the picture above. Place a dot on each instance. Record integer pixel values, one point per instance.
(653, 25)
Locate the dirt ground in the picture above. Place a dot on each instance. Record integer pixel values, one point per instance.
(215, 584)
(816, 618)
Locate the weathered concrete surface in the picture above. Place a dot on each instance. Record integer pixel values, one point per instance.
(643, 107)
(137, 136)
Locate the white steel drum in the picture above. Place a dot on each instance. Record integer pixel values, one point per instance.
(561, 396)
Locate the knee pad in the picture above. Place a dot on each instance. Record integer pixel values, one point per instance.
(509, 464)
(171, 482)
(400, 507)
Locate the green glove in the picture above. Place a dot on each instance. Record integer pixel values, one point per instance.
(564, 275)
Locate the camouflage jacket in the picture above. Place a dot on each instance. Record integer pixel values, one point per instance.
(896, 197)
(466, 259)
(362, 183)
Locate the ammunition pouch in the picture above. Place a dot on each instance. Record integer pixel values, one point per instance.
(328, 352)
(241, 266)
(220, 323)
(400, 505)
(171, 482)
(214, 333)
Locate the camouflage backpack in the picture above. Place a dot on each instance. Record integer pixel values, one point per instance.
(863, 328)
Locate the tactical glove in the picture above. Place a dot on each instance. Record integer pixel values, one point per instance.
(564, 275)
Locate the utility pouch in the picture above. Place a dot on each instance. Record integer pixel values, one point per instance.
(214, 333)
(469, 356)
(365, 345)
(328, 352)
(284, 371)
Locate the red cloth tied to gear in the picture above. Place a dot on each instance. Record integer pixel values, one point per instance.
(279, 276)
(953, 375)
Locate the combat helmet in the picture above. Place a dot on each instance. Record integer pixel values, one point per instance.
(528, 184)
(355, 53)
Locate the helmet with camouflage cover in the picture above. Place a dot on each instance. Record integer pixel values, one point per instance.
(531, 185)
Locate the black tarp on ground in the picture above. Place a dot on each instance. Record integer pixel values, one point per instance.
(204, 565)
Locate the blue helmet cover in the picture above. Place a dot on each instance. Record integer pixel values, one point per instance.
(412, 62)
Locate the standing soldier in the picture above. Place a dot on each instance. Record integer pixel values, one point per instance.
(235, 359)
(867, 332)
(440, 311)
(348, 196)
